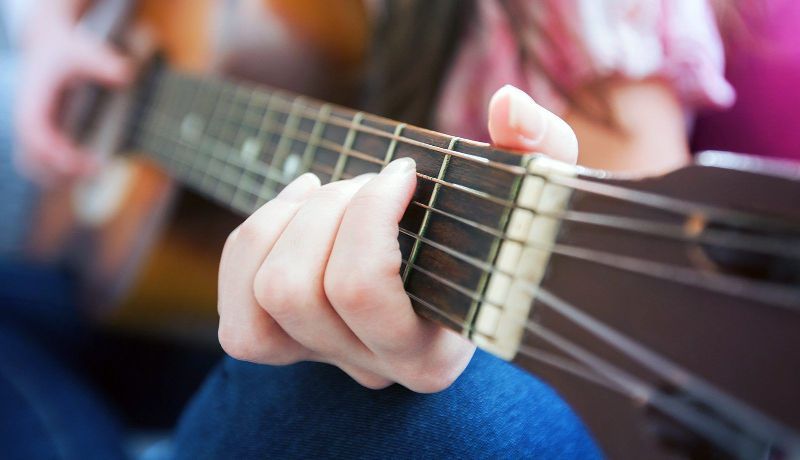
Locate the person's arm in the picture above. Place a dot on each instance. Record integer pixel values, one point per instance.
(649, 136)
(55, 56)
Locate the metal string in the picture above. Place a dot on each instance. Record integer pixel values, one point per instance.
(674, 205)
(724, 239)
(594, 369)
(781, 296)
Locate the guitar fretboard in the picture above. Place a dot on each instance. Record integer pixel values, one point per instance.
(240, 144)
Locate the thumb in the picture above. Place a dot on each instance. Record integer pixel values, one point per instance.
(519, 123)
(95, 60)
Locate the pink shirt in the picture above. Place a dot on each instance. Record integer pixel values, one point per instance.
(763, 64)
(575, 42)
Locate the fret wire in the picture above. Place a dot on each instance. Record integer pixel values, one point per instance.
(258, 139)
(674, 232)
(227, 180)
(232, 119)
(259, 167)
(767, 294)
(240, 141)
(348, 144)
(221, 111)
(263, 169)
(427, 215)
(677, 234)
(313, 140)
(199, 165)
(224, 153)
(588, 365)
(368, 158)
(456, 254)
(652, 200)
(214, 159)
(666, 203)
(170, 91)
(495, 248)
(175, 149)
(284, 141)
(185, 151)
(398, 131)
(213, 124)
(472, 294)
(345, 123)
(265, 131)
(636, 388)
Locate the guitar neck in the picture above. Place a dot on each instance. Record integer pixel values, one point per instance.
(240, 144)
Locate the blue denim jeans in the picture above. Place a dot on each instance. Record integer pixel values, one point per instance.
(252, 411)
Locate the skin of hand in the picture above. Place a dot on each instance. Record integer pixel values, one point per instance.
(314, 273)
(651, 134)
(58, 55)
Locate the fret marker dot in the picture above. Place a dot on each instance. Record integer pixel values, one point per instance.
(192, 127)
(291, 165)
(250, 148)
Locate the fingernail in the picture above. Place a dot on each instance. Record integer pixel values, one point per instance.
(525, 116)
(298, 189)
(363, 178)
(400, 166)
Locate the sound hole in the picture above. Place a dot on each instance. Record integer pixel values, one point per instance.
(756, 263)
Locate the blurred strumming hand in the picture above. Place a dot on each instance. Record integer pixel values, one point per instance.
(58, 55)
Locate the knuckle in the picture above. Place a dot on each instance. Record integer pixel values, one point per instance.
(248, 232)
(260, 347)
(237, 345)
(369, 379)
(374, 382)
(273, 290)
(349, 291)
(283, 292)
(422, 378)
(367, 201)
(355, 287)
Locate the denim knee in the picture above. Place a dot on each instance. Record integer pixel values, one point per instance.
(315, 410)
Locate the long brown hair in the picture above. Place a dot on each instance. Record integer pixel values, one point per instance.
(413, 44)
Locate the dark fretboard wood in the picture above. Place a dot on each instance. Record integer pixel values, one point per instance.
(240, 144)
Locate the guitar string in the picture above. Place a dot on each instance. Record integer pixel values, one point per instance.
(657, 363)
(600, 371)
(667, 203)
(723, 239)
(781, 296)
(662, 367)
(750, 243)
(771, 294)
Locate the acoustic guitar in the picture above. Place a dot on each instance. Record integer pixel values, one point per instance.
(668, 306)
